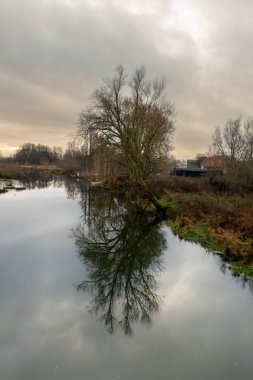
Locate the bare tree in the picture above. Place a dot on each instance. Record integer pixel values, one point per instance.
(249, 140)
(248, 135)
(135, 119)
(235, 142)
(229, 142)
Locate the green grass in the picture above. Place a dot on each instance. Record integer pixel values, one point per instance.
(239, 268)
(198, 234)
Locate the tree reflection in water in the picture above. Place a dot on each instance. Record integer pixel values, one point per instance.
(121, 250)
(36, 179)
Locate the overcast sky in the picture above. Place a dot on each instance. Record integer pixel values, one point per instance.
(55, 52)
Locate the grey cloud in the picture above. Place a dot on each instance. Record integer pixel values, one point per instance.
(54, 53)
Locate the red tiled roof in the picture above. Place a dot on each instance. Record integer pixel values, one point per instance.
(218, 162)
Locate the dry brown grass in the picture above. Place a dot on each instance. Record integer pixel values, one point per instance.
(228, 219)
(213, 184)
(12, 171)
(224, 207)
(9, 171)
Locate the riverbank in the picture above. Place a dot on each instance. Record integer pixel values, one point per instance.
(18, 172)
(214, 212)
(218, 214)
(222, 224)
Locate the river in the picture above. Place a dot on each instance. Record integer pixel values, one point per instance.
(90, 289)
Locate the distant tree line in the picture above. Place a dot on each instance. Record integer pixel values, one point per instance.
(74, 155)
(36, 154)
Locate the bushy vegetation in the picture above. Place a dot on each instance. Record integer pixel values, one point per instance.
(226, 185)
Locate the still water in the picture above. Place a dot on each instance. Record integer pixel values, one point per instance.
(89, 289)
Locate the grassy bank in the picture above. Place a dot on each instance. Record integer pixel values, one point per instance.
(222, 224)
(214, 212)
(12, 171)
(217, 213)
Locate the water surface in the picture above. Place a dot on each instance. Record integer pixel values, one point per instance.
(91, 290)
